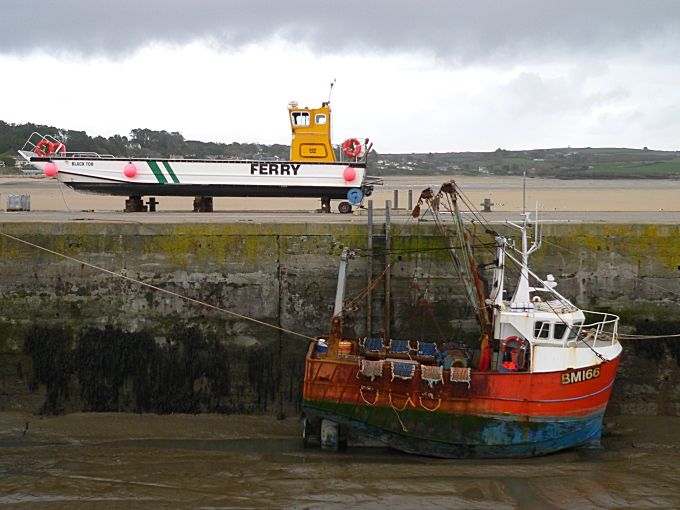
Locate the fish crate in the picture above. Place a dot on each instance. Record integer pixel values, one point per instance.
(18, 202)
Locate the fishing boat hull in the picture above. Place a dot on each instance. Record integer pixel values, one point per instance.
(508, 415)
(531, 438)
(208, 177)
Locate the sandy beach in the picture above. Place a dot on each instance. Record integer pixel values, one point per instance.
(550, 195)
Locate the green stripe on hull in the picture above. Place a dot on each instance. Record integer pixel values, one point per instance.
(171, 172)
(157, 172)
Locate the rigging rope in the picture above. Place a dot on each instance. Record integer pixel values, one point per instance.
(160, 289)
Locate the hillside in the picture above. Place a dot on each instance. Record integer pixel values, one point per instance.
(564, 163)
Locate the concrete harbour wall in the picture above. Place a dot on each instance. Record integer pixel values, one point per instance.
(75, 338)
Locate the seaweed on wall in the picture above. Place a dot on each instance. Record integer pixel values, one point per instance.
(52, 365)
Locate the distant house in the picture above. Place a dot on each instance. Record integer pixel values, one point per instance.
(2, 164)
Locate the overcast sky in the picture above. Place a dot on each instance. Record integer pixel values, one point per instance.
(446, 75)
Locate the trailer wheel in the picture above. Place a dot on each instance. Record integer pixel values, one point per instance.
(344, 207)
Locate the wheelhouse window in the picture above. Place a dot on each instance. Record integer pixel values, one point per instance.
(320, 119)
(300, 118)
(559, 330)
(573, 330)
(541, 329)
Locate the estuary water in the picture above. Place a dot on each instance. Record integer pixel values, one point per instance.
(113, 461)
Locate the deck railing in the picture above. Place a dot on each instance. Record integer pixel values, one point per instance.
(599, 327)
(35, 138)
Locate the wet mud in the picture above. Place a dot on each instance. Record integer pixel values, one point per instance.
(107, 460)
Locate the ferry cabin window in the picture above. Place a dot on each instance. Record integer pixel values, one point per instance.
(320, 119)
(541, 329)
(559, 330)
(300, 118)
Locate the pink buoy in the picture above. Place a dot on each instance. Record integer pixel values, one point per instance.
(50, 169)
(349, 174)
(130, 170)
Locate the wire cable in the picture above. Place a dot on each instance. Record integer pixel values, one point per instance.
(159, 289)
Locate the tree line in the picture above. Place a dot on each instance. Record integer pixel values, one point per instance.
(141, 142)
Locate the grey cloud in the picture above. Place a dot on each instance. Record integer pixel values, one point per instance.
(531, 94)
(455, 31)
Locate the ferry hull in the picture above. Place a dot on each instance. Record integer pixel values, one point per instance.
(208, 177)
(212, 190)
(499, 415)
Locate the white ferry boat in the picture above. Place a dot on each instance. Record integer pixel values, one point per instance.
(315, 169)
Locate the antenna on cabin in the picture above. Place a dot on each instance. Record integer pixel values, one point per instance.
(331, 90)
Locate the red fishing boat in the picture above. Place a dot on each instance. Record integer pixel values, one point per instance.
(538, 382)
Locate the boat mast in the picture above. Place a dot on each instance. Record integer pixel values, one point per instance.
(521, 298)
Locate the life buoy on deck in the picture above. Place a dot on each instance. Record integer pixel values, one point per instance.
(44, 148)
(351, 147)
(520, 360)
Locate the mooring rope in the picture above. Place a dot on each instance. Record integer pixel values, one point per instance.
(63, 197)
(160, 289)
(624, 336)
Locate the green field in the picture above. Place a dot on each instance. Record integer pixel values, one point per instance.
(562, 163)
(649, 169)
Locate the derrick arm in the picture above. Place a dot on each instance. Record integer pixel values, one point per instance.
(465, 263)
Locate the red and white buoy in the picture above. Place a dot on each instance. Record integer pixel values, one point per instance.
(130, 170)
(349, 174)
(50, 169)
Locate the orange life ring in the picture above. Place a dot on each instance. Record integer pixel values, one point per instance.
(351, 147)
(49, 148)
(46, 148)
(520, 341)
(521, 360)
